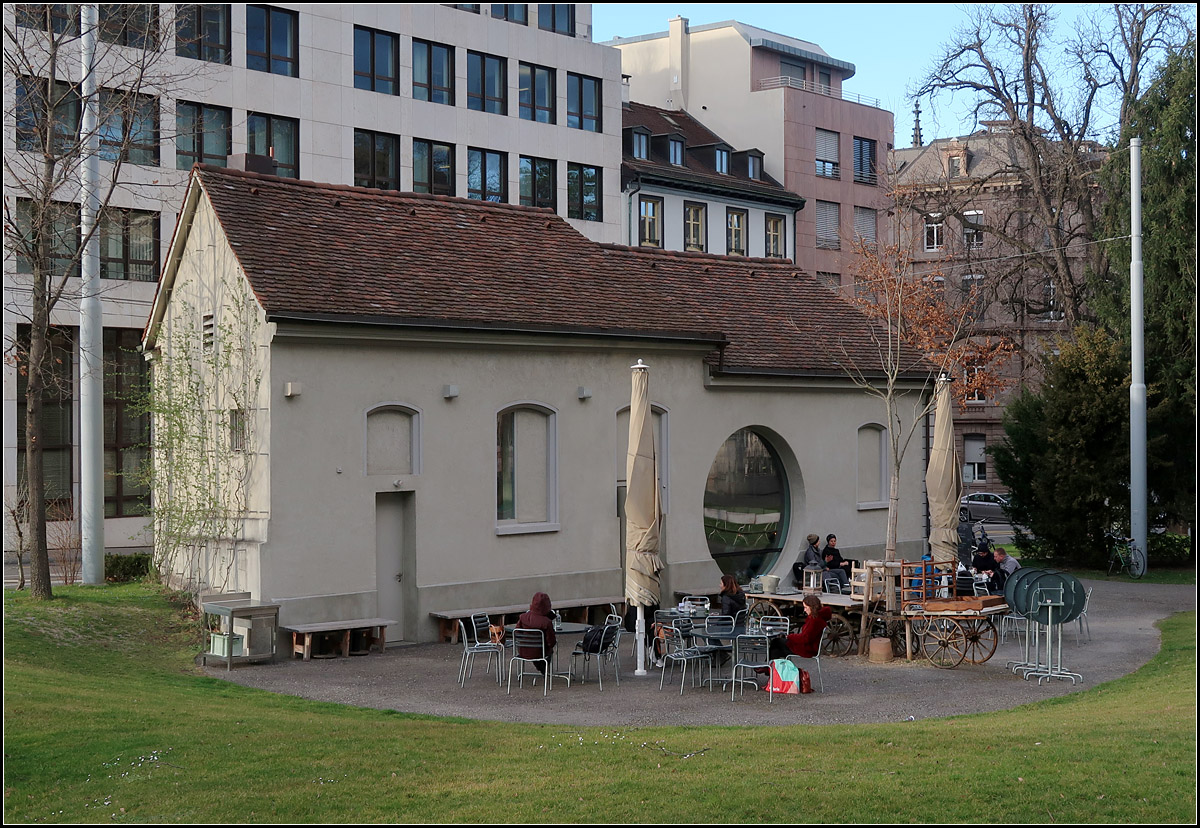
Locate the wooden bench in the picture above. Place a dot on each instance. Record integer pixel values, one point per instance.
(302, 634)
(448, 619)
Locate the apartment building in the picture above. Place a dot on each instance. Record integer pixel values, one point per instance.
(686, 189)
(501, 102)
(785, 97)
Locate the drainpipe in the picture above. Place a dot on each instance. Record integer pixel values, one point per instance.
(629, 224)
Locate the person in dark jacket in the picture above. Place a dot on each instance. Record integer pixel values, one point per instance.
(836, 566)
(811, 556)
(538, 618)
(733, 599)
(986, 564)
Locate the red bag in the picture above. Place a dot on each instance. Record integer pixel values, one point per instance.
(783, 677)
(805, 682)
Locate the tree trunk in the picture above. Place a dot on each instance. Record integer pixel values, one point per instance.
(889, 548)
(39, 557)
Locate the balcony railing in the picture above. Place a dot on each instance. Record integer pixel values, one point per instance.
(818, 88)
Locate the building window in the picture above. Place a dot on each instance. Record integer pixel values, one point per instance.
(864, 225)
(735, 232)
(722, 161)
(433, 168)
(973, 295)
(376, 160)
(974, 395)
(641, 145)
(202, 135)
(58, 18)
(794, 71)
(57, 414)
(864, 160)
(974, 458)
(827, 226)
(935, 229)
(128, 245)
(583, 102)
(972, 236)
(872, 466)
(276, 137)
(536, 93)
(584, 192)
(695, 226)
(473, 8)
(1050, 310)
(675, 147)
(775, 236)
(954, 165)
(202, 32)
(376, 61)
(539, 182)
(129, 127)
(832, 280)
(825, 81)
(433, 72)
(827, 154)
(650, 222)
(754, 167)
(130, 24)
(526, 470)
(487, 83)
(512, 12)
(487, 175)
(272, 40)
(746, 505)
(557, 17)
(34, 97)
(64, 241)
(126, 430)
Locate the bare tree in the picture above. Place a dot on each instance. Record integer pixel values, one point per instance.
(44, 100)
(1049, 100)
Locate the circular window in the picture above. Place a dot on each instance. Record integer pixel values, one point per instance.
(746, 506)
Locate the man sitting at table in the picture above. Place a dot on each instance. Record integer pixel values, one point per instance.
(538, 618)
(1006, 566)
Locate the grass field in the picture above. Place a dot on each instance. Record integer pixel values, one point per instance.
(107, 720)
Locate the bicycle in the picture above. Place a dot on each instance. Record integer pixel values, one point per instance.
(1126, 556)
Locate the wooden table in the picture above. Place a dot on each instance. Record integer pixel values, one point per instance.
(302, 634)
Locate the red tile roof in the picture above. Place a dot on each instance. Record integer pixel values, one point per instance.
(339, 253)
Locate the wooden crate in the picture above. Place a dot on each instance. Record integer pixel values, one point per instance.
(963, 602)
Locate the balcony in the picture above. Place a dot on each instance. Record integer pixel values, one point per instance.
(816, 88)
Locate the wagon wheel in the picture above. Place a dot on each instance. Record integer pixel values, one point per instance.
(944, 643)
(895, 631)
(839, 636)
(760, 608)
(981, 639)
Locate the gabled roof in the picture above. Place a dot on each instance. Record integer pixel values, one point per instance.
(334, 253)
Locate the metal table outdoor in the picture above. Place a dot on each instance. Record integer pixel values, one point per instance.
(251, 611)
(564, 628)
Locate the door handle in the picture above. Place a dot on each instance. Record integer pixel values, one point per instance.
(399, 577)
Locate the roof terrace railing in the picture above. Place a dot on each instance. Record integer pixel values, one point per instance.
(818, 88)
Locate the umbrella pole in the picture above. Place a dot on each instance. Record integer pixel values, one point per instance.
(640, 632)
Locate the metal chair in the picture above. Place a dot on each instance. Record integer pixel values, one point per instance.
(697, 601)
(751, 652)
(530, 640)
(1014, 623)
(471, 648)
(679, 653)
(833, 585)
(1083, 619)
(774, 625)
(796, 659)
(717, 625)
(980, 589)
(609, 638)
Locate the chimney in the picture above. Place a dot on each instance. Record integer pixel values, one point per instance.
(678, 60)
(246, 162)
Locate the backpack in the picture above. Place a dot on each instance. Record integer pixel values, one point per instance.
(593, 640)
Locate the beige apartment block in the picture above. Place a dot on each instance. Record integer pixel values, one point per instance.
(510, 103)
(785, 97)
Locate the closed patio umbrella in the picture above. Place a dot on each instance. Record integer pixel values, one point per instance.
(943, 480)
(643, 512)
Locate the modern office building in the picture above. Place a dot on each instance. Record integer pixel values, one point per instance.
(787, 98)
(499, 102)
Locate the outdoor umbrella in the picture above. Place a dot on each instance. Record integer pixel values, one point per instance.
(642, 509)
(943, 480)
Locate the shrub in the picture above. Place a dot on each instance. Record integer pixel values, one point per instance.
(121, 568)
(1168, 550)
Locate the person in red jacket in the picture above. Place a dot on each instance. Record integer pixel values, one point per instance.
(805, 642)
(538, 618)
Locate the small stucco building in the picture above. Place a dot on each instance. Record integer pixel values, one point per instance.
(380, 403)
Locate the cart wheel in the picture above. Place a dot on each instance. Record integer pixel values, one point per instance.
(895, 631)
(944, 643)
(839, 636)
(760, 608)
(981, 639)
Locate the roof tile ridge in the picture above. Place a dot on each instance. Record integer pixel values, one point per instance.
(720, 258)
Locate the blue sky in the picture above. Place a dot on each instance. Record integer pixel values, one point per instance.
(890, 45)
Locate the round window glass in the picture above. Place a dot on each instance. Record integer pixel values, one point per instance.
(746, 506)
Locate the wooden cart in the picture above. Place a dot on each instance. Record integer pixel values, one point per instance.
(841, 633)
(949, 637)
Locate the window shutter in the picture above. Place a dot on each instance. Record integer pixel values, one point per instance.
(827, 224)
(864, 224)
(827, 145)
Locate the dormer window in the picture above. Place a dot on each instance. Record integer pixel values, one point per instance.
(754, 167)
(722, 161)
(955, 166)
(676, 151)
(641, 145)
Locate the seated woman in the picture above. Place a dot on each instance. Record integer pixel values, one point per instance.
(538, 618)
(805, 642)
(986, 564)
(733, 599)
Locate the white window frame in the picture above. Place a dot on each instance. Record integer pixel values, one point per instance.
(935, 224)
(973, 466)
(973, 239)
(721, 160)
(881, 430)
(513, 526)
(675, 148)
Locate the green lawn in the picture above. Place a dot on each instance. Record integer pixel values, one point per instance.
(107, 720)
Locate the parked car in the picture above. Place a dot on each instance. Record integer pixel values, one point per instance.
(984, 506)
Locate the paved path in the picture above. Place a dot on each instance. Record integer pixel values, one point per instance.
(421, 679)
